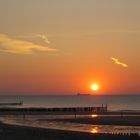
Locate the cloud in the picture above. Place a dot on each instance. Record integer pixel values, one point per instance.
(119, 62)
(11, 45)
(44, 37)
(41, 36)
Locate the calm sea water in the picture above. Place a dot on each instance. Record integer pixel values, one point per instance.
(115, 102)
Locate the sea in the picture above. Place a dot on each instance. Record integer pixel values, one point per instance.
(114, 103)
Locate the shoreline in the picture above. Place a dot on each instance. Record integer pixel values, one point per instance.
(15, 132)
(109, 120)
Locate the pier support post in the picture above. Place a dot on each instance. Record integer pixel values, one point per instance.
(75, 115)
(106, 107)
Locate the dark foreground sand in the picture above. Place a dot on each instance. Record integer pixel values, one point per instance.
(13, 132)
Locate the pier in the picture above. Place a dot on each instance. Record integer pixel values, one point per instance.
(49, 111)
(98, 110)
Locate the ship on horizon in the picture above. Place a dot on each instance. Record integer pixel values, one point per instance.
(83, 94)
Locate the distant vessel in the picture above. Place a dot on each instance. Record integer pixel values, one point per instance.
(80, 94)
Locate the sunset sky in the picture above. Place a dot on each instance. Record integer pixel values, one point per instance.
(64, 46)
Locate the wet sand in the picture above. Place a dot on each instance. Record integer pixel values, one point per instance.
(13, 132)
(108, 120)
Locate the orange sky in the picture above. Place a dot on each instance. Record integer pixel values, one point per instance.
(50, 47)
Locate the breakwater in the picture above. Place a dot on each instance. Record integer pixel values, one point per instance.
(45, 111)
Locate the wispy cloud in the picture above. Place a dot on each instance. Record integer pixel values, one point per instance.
(11, 45)
(41, 36)
(119, 62)
(44, 38)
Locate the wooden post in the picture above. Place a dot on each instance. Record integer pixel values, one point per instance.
(106, 107)
(121, 114)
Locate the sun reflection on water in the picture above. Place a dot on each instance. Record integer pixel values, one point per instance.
(94, 130)
(94, 115)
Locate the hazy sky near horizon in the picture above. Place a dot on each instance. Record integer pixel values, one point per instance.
(63, 46)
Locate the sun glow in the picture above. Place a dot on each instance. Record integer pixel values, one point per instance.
(94, 130)
(95, 87)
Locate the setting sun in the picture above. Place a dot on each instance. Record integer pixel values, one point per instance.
(95, 87)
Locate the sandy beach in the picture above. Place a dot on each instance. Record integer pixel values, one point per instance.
(13, 132)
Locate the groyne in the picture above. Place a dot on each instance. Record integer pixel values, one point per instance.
(56, 110)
